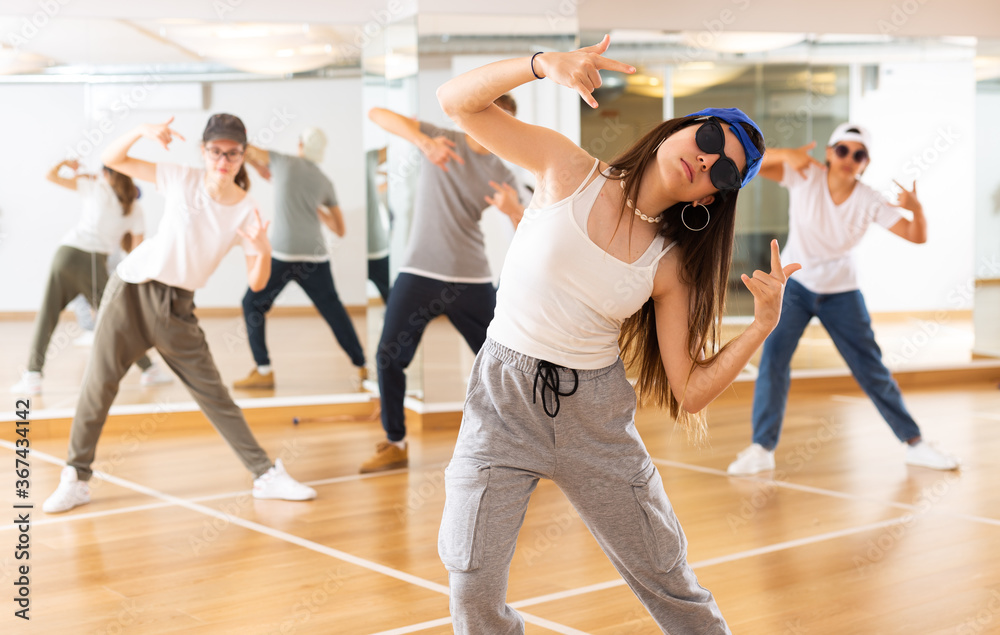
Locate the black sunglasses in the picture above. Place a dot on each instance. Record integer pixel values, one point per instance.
(711, 139)
(860, 156)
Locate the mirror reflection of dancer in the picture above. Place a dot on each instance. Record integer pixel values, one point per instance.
(79, 267)
(150, 301)
(445, 270)
(303, 197)
(829, 211)
(589, 275)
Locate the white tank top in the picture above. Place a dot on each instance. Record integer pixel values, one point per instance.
(563, 298)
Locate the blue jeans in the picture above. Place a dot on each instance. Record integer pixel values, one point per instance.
(413, 302)
(317, 281)
(846, 319)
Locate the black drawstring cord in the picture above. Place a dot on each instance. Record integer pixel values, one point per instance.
(549, 374)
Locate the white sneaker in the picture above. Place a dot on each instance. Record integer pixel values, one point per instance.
(71, 493)
(276, 483)
(154, 376)
(87, 339)
(924, 454)
(30, 384)
(752, 460)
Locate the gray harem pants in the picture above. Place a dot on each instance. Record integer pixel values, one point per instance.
(593, 452)
(132, 319)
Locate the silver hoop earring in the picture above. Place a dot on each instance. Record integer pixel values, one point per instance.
(708, 217)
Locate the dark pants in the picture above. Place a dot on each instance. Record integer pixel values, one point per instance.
(414, 302)
(317, 281)
(378, 273)
(845, 318)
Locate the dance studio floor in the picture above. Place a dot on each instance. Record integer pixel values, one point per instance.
(841, 538)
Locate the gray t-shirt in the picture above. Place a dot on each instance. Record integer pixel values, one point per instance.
(299, 187)
(445, 240)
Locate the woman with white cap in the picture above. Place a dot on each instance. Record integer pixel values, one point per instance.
(149, 301)
(589, 277)
(829, 211)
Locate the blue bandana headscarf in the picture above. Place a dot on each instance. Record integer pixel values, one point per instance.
(735, 116)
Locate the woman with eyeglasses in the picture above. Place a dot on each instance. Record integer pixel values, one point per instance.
(109, 212)
(611, 261)
(149, 301)
(829, 211)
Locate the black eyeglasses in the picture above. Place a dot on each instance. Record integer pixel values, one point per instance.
(231, 156)
(860, 156)
(711, 139)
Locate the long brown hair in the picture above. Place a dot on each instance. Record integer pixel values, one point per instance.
(124, 189)
(705, 260)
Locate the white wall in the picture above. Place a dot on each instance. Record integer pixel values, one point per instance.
(922, 119)
(40, 123)
(986, 317)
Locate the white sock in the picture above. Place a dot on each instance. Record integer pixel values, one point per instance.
(401, 444)
(264, 370)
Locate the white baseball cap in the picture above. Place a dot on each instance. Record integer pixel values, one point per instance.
(313, 144)
(851, 132)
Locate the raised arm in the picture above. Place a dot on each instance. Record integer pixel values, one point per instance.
(468, 100)
(914, 230)
(260, 160)
(772, 166)
(259, 264)
(438, 150)
(116, 157)
(696, 387)
(70, 184)
(332, 217)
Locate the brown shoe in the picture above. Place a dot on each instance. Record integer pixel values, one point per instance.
(255, 381)
(387, 457)
(359, 379)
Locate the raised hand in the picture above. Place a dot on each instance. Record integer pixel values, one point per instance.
(908, 198)
(767, 289)
(579, 69)
(438, 151)
(161, 132)
(257, 235)
(506, 200)
(800, 158)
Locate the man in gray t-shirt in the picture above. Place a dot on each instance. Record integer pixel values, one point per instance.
(445, 270)
(304, 198)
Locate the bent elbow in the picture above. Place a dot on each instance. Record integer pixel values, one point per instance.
(446, 100)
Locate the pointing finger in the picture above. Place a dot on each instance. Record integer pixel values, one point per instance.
(613, 65)
(775, 258)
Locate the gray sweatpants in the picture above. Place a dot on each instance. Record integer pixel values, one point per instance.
(132, 319)
(592, 451)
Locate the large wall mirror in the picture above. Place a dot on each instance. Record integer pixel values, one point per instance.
(79, 83)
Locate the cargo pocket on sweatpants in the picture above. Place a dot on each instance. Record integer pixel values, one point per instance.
(461, 541)
(661, 531)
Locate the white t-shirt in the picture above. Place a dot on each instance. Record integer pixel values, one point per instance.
(822, 236)
(194, 234)
(102, 225)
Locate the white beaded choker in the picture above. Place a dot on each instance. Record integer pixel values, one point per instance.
(628, 202)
